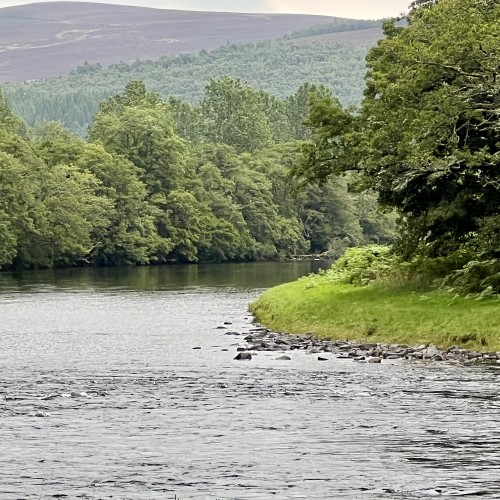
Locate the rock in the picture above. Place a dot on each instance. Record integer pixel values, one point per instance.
(430, 352)
(241, 349)
(243, 356)
(322, 359)
(375, 359)
(281, 341)
(393, 356)
(196, 347)
(227, 323)
(283, 358)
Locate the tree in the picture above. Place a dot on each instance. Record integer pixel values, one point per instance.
(426, 136)
(234, 114)
(130, 237)
(430, 123)
(9, 120)
(139, 126)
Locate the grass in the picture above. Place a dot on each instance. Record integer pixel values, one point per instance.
(375, 314)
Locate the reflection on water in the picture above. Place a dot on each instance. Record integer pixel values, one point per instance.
(121, 383)
(241, 276)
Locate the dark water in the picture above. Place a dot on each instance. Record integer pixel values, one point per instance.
(103, 396)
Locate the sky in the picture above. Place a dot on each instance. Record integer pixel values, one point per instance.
(356, 9)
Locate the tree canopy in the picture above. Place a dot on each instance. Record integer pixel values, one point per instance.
(165, 181)
(426, 137)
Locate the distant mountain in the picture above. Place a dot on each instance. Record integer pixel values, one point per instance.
(49, 39)
(279, 67)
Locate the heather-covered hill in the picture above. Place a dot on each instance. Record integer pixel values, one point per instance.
(50, 39)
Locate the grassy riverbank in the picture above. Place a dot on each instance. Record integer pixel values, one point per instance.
(377, 314)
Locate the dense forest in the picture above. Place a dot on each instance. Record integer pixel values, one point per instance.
(426, 139)
(165, 181)
(333, 55)
(243, 174)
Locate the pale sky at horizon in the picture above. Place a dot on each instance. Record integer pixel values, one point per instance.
(357, 9)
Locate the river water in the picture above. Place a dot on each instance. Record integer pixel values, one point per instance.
(121, 383)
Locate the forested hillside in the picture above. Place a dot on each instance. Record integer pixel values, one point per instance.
(48, 39)
(325, 54)
(164, 181)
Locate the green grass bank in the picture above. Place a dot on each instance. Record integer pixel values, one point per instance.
(380, 314)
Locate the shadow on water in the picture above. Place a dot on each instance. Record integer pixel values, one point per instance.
(165, 277)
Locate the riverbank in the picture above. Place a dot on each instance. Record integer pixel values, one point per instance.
(375, 315)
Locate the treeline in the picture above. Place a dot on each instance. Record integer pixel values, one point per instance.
(164, 181)
(278, 67)
(340, 25)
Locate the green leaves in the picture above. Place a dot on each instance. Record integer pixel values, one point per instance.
(138, 194)
(235, 114)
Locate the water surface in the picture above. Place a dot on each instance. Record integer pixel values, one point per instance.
(121, 383)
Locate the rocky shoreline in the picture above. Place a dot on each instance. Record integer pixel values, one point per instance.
(259, 338)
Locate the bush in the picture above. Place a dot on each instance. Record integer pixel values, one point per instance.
(361, 266)
(478, 278)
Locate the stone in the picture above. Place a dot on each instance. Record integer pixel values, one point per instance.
(283, 358)
(246, 356)
(430, 352)
(375, 359)
(322, 359)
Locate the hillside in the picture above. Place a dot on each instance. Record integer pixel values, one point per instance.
(279, 67)
(50, 39)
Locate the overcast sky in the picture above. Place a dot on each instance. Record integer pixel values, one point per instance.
(357, 9)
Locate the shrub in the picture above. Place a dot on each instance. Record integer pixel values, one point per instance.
(363, 265)
(478, 278)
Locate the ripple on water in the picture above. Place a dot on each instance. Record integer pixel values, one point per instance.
(102, 396)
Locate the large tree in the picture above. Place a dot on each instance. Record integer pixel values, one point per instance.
(235, 114)
(427, 135)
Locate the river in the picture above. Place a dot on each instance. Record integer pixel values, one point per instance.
(122, 383)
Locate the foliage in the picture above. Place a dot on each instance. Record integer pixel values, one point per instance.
(426, 136)
(430, 123)
(363, 265)
(340, 25)
(139, 193)
(479, 279)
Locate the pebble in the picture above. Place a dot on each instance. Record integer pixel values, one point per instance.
(259, 338)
